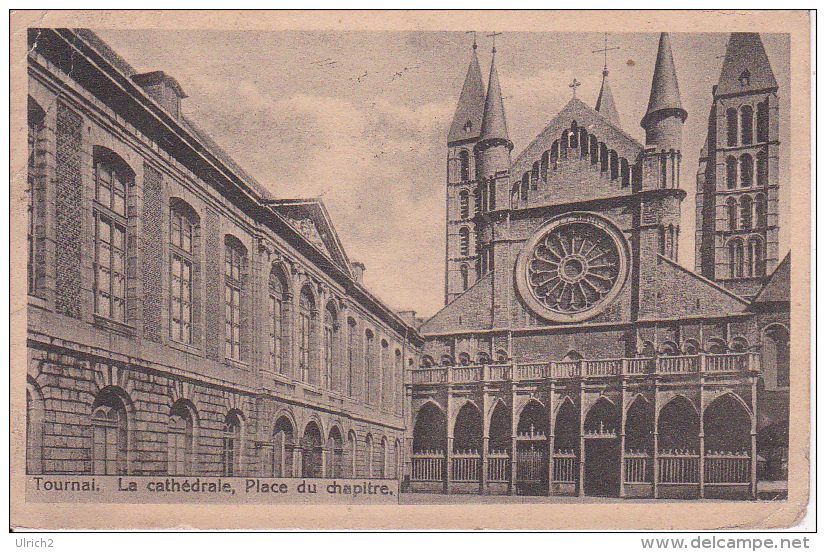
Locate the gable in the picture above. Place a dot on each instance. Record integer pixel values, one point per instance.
(778, 287)
(309, 218)
(470, 311)
(675, 292)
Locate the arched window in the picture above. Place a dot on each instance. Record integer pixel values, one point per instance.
(352, 446)
(554, 154)
(745, 212)
(746, 170)
(113, 180)
(760, 211)
(231, 445)
(731, 125)
(464, 359)
(543, 167)
(368, 451)
(330, 341)
(383, 450)
(464, 204)
(583, 142)
(755, 258)
(735, 258)
(594, 149)
(483, 194)
(746, 125)
(526, 182)
(398, 382)
(464, 160)
(35, 178)
(534, 175)
(603, 157)
(180, 442)
(397, 459)
(483, 358)
(370, 379)
(501, 356)
(463, 271)
(731, 172)
(614, 165)
(428, 362)
(283, 446)
(563, 150)
(626, 172)
(732, 208)
(385, 376)
(279, 337)
(762, 169)
(739, 345)
(775, 355)
(446, 360)
(235, 258)
(183, 258)
(477, 200)
(110, 435)
(306, 312)
(763, 121)
(574, 135)
(716, 346)
(352, 348)
(464, 241)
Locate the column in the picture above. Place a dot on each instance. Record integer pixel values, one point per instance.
(622, 432)
(754, 437)
(655, 455)
(485, 432)
(449, 432)
(551, 432)
(581, 486)
(514, 423)
(702, 437)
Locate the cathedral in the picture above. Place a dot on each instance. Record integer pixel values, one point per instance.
(574, 354)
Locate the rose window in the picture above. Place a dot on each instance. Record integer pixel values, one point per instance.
(573, 267)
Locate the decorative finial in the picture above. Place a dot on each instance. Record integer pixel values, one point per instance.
(493, 35)
(574, 85)
(474, 38)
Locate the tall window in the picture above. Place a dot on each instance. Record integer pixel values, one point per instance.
(731, 172)
(182, 259)
(477, 200)
(385, 376)
(464, 160)
(369, 362)
(368, 446)
(755, 264)
(535, 175)
(763, 121)
(746, 170)
(492, 195)
(745, 212)
(231, 445)
(731, 124)
(747, 124)
(112, 181)
(762, 169)
(525, 184)
(760, 211)
(279, 322)
(36, 118)
(306, 306)
(234, 259)
(383, 458)
(352, 348)
(109, 435)
(731, 206)
(398, 383)
(464, 241)
(330, 338)
(180, 452)
(735, 258)
(464, 204)
(463, 270)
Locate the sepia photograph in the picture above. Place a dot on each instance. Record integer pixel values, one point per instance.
(421, 260)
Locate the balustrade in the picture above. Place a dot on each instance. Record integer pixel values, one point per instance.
(565, 466)
(637, 465)
(679, 467)
(427, 466)
(466, 466)
(726, 468)
(499, 466)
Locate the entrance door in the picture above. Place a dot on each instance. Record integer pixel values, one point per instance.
(602, 467)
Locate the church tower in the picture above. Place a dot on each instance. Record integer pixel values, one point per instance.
(738, 176)
(462, 192)
(663, 124)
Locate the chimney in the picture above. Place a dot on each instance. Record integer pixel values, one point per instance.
(163, 89)
(358, 271)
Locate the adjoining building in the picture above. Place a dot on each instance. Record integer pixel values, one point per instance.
(574, 355)
(180, 319)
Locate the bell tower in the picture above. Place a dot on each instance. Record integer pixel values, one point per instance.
(462, 197)
(738, 176)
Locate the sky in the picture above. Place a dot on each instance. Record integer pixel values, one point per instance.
(360, 119)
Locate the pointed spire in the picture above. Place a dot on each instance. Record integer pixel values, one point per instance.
(494, 125)
(746, 66)
(665, 92)
(605, 102)
(467, 121)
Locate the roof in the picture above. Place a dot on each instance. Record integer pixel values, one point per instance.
(778, 286)
(745, 57)
(605, 102)
(665, 90)
(471, 105)
(494, 125)
(467, 312)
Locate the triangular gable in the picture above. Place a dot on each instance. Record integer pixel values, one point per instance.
(310, 218)
(778, 287)
(745, 56)
(615, 138)
(469, 311)
(676, 292)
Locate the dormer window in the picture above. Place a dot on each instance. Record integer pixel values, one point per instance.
(467, 127)
(744, 78)
(163, 89)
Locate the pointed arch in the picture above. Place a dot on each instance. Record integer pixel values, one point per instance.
(532, 417)
(312, 449)
(602, 416)
(430, 428)
(35, 419)
(467, 428)
(678, 425)
(727, 424)
(499, 422)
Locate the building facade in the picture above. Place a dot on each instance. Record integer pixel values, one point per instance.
(574, 355)
(182, 321)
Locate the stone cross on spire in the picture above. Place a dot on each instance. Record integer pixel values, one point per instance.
(574, 85)
(605, 49)
(493, 35)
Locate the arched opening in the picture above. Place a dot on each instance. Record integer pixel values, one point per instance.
(501, 356)
(372, 392)
(614, 165)
(499, 444)
(760, 211)
(397, 459)
(464, 204)
(429, 444)
(563, 151)
(467, 444)
(746, 170)
(464, 161)
(369, 454)
(532, 450)
(603, 157)
(464, 359)
(283, 447)
(352, 453)
(594, 149)
(477, 199)
(763, 121)
(677, 442)
(745, 212)
(762, 169)
(602, 454)
(335, 454)
(731, 126)
(526, 179)
(35, 417)
(574, 136)
(535, 175)
(306, 335)
(716, 346)
(732, 211)
(755, 264)
(331, 340)
(554, 154)
(746, 125)
(543, 166)
(775, 357)
(446, 360)
(463, 272)
(464, 241)
(181, 458)
(727, 432)
(691, 347)
(312, 450)
(583, 142)
(428, 362)
(279, 337)
(110, 433)
(731, 172)
(566, 445)
(231, 444)
(626, 173)
(639, 442)
(383, 451)
(669, 348)
(483, 358)
(735, 258)
(353, 347)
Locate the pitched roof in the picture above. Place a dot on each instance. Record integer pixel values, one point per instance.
(605, 102)
(745, 56)
(494, 125)
(469, 311)
(665, 91)
(471, 105)
(778, 286)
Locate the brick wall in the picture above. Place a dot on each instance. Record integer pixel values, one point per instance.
(153, 254)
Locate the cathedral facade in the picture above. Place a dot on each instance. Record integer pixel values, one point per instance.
(574, 355)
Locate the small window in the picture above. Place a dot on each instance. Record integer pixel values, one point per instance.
(464, 204)
(464, 241)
